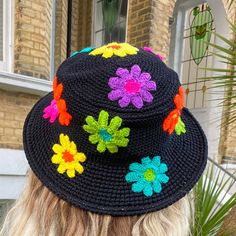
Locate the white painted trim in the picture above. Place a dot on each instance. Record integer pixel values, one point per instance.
(52, 41)
(7, 63)
(26, 84)
(13, 162)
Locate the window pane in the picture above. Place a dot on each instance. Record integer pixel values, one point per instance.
(119, 29)
(1, 30)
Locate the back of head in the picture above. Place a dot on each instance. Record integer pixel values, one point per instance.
(112, 149)
(40, 212)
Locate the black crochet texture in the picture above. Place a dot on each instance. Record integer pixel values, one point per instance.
(102, 187)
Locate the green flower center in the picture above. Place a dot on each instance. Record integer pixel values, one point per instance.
(149, 175)
(105, 135)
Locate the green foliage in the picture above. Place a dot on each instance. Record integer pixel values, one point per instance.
(210, 209)
(226, 78)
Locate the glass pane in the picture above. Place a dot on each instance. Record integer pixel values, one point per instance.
(118, 32)
(1, 30)
(4, 207)
(198, 28)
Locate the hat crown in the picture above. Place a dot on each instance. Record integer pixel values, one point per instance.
(86, 84)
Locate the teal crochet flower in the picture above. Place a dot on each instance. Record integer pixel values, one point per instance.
(147, 176)
(105, 135)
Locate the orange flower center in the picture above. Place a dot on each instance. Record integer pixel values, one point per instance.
(67, 156)
(114, 46)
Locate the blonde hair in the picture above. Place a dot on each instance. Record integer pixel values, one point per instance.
(39, 212)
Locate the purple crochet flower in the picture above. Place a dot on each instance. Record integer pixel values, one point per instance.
(131, 87)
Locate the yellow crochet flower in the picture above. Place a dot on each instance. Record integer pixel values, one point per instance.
(118, 49)
(67, 156)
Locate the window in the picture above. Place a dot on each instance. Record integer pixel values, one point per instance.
(109, 22)
(5, 35)
(195, 29)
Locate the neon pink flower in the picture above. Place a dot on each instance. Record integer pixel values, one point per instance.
(51, 111)
(131, 87)
(148, 49)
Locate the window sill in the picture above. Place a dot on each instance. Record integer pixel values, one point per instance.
(26, 84)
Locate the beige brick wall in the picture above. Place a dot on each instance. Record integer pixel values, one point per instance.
(13, 110)
(139, 22)
(32, 37)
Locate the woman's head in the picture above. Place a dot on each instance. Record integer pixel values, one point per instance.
(40, 212)
(114, 140)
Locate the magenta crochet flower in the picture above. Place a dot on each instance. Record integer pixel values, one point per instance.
(131, 87)
(51, 111)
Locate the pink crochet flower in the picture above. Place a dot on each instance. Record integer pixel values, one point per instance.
(51, 111)
(148, 49)
(131, 87)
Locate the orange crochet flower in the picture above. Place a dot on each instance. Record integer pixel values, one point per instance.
(173, 121)
(57, 108)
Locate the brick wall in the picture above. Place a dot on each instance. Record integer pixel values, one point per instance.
(13, 110)
(32, 37)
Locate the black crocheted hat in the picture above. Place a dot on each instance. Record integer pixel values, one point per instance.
(113, 137)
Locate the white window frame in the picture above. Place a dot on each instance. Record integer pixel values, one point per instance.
(8, 33)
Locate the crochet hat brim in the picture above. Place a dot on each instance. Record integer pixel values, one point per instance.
(102, 187)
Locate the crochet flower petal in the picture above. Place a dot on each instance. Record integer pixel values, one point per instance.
(93, 138)
(92, 122)
(120, 52)
(56, 159)
(115, 82)
(124, 101)
(156, 161)
(57, 148)
(112, 147)
(132, 177)
(101, 147)
(146, 96)
(115, 94)
(137, 101)
(71, 173)
(146, 160)
(162, 178)
(144, 77)
(157, 186)
(80, 157)
(108, 53)
(136, 167)
(138, 186)
(103, 119)
(61, 168)
(123, 132)
(122, 72)
(123, 142)
(148, 190)
(135, 71)
(65, 141)
(114, 124)
(163, 168)
(79, 168)
(150, 85)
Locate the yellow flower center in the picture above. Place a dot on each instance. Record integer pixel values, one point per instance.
(67, 156)
(149, 175)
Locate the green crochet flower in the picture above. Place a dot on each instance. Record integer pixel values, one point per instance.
(105, 135)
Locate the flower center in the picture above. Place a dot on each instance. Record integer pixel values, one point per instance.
(114, 46)
(149, 175)
(105, 135)
(132, 86)
(67, 156)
